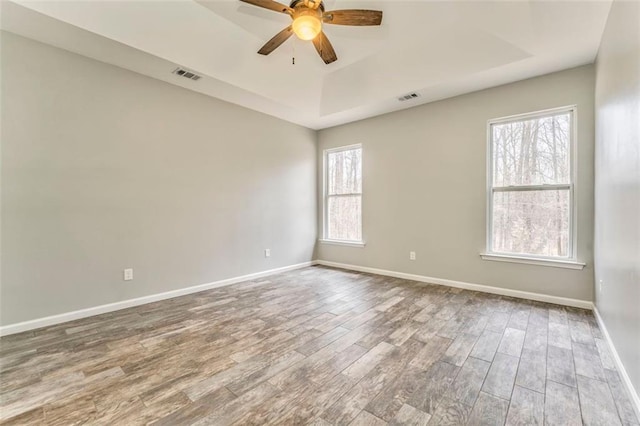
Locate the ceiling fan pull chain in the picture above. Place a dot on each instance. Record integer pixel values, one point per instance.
(293, 52)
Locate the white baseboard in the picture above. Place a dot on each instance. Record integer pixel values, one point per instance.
(116, 306)
(635, 400)
(585, 304)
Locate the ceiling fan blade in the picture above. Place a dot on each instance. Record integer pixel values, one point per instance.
(276, 41)
(357, 17)
(324, 48)
(270, 4)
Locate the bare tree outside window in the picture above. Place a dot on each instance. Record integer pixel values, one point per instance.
(531, 185)
(343, 194)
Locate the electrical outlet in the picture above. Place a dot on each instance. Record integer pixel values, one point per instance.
(267, 252)
(128, 274)
(600, 283)
(412, 255)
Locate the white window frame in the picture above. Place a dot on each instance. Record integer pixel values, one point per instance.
(325, 198)
(570, 261)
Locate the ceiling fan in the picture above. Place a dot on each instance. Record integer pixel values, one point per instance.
(308, 17)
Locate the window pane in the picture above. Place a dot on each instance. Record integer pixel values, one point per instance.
(531, 222)
(344, 218)
(532, 152)
(345, 172)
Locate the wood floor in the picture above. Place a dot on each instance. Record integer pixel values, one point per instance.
(318, 346)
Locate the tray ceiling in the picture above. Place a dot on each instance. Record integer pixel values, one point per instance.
(437, 49)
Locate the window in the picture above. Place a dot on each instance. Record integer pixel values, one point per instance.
(343, 194)
(531, 212)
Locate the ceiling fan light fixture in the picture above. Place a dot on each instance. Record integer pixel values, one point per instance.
(307, 26)
(308, 19)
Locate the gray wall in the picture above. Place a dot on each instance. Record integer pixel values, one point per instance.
(617, 206)
(104, 169)
(424, 186)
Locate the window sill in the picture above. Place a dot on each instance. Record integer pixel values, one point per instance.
(343, 243)
(567, 264)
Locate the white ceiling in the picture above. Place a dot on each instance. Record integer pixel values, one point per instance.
(438, 49)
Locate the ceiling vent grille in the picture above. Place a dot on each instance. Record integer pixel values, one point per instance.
(187, 74)
(408, 97)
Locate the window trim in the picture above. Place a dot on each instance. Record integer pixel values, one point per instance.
(571, 259)
(325, 198)
(554, 262)
(346, 243)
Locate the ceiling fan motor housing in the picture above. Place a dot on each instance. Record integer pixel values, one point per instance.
(297, 5)
(304, 11)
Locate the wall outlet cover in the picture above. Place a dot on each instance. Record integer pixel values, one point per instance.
(128, 274)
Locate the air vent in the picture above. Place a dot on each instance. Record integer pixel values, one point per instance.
(186, 74)
(408, 97)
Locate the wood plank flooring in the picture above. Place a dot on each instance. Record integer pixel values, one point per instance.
(318, 346)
